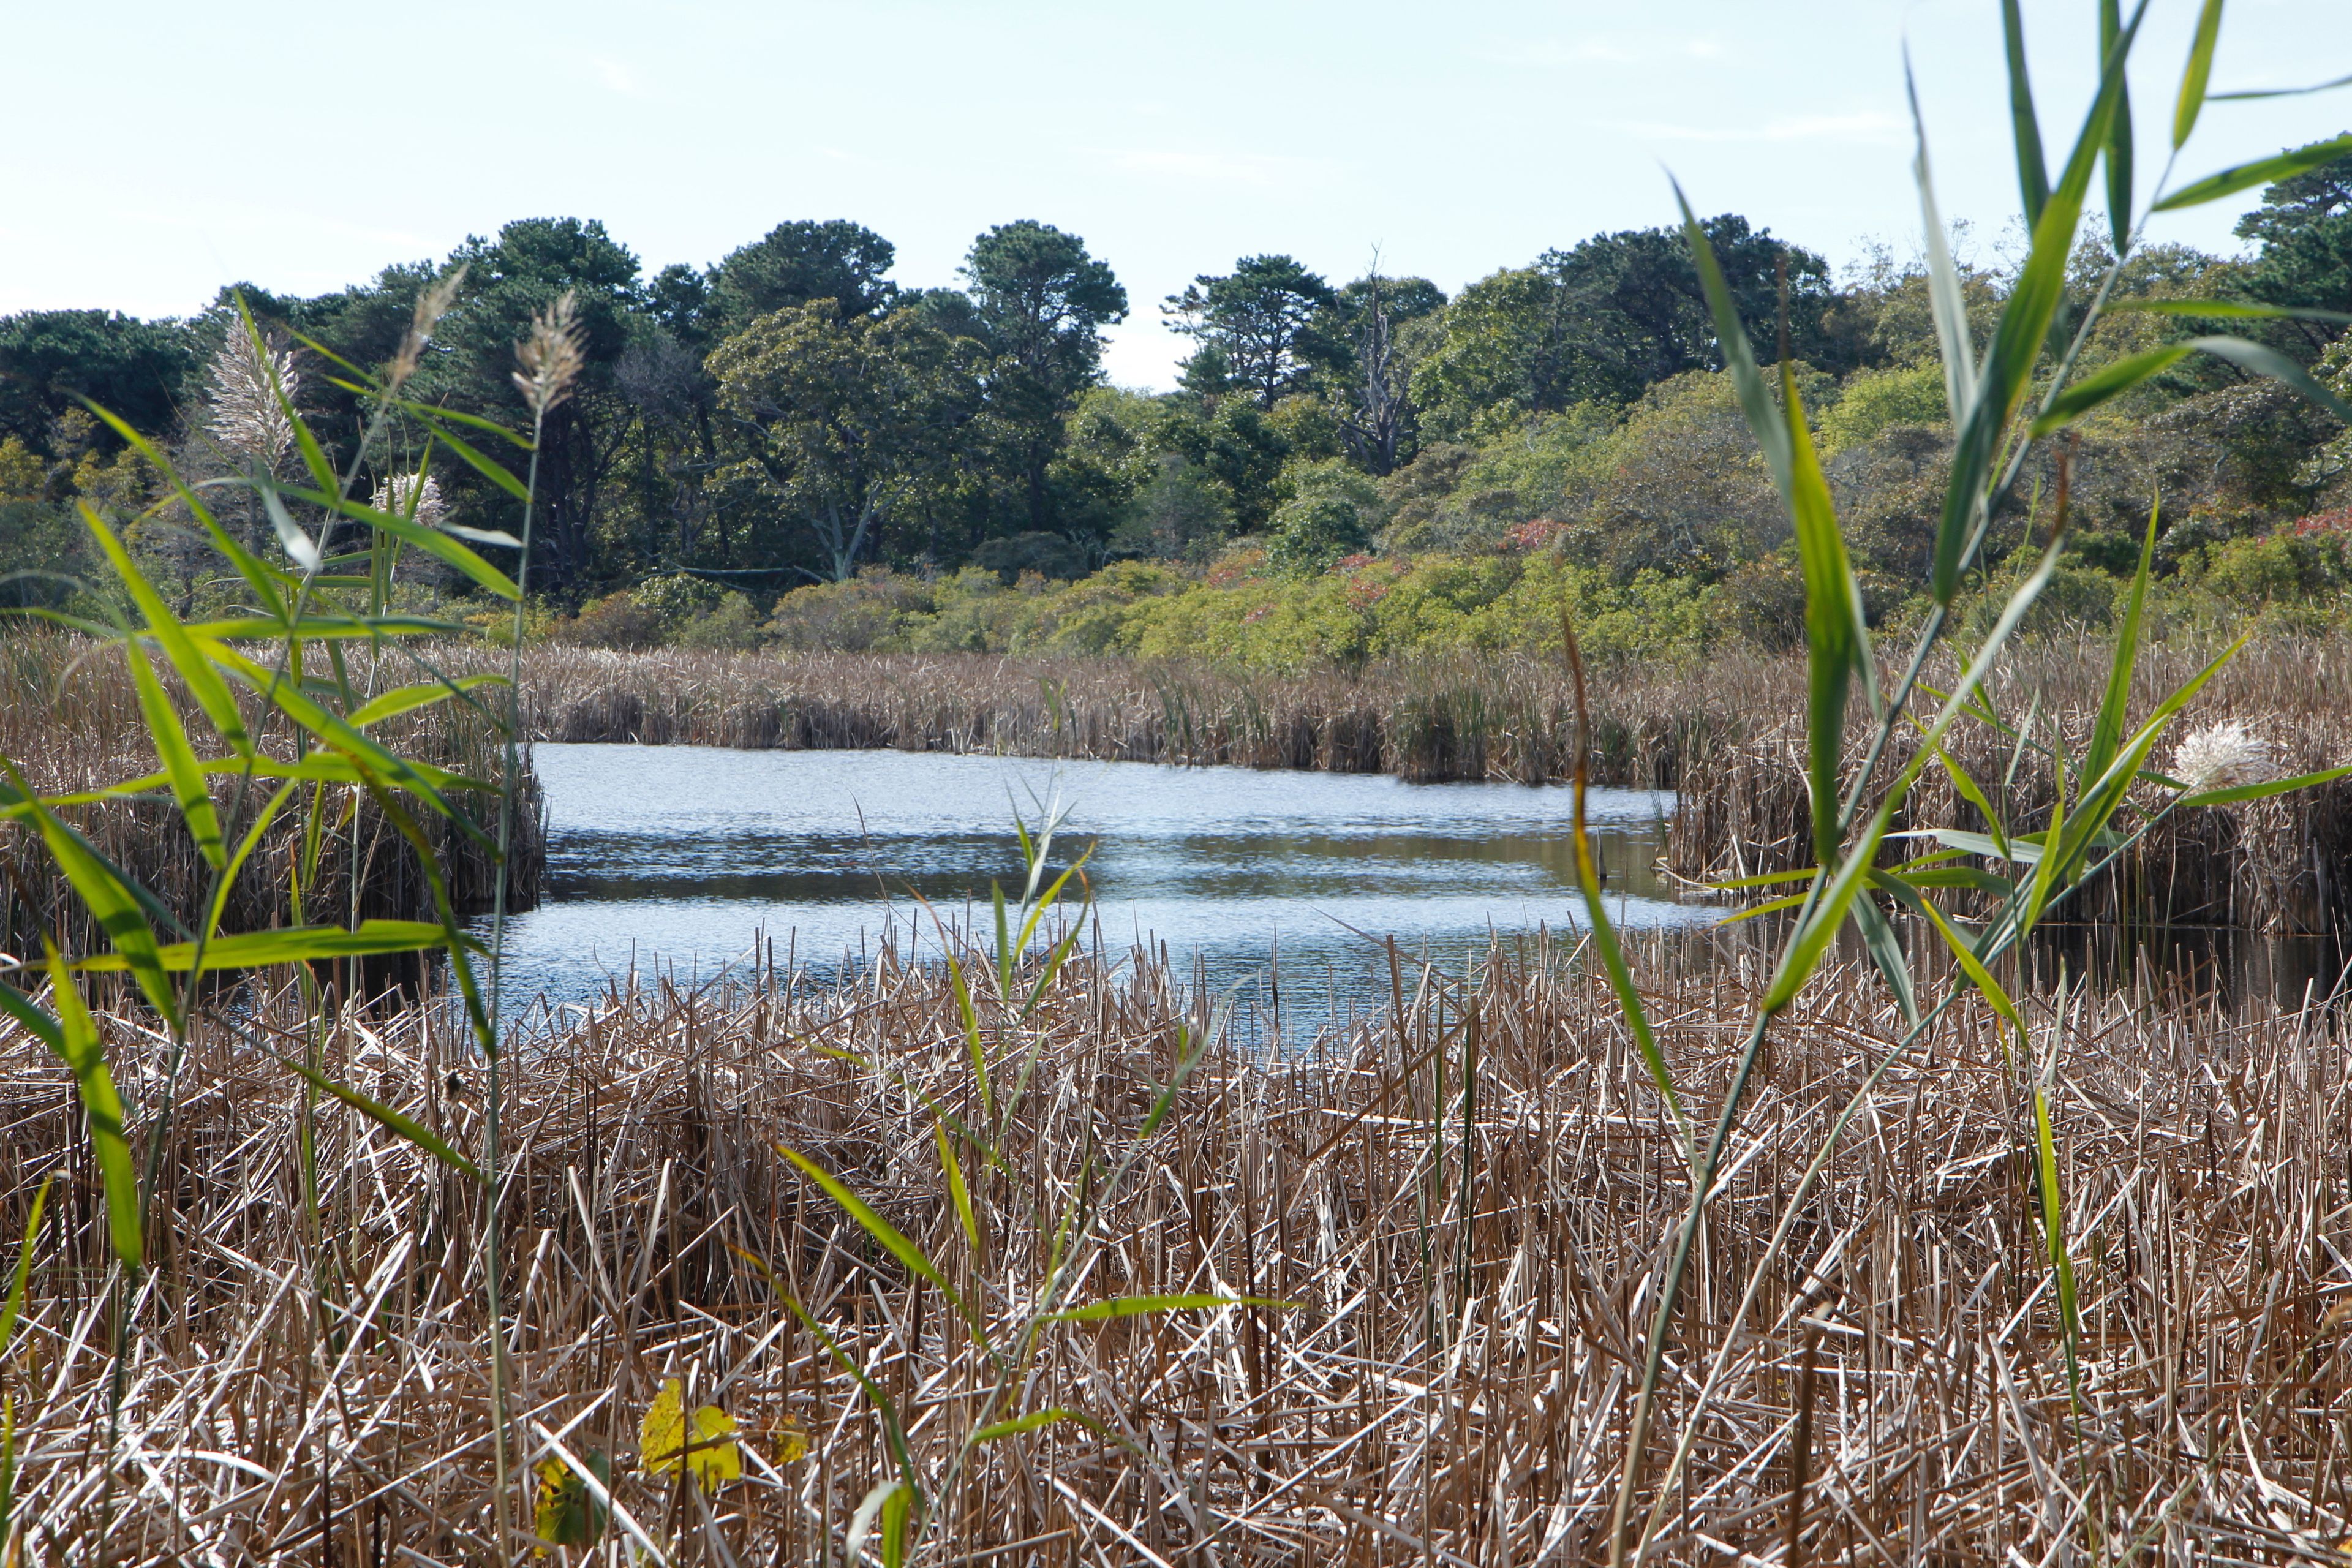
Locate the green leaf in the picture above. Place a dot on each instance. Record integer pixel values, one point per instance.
(408, 699)
(1978, 975)
(85, 1057)
(436, 415)
(497, 473)
(1837, 644)
(2269, 361)
(2032, 170)
(2109, 382)
(894, 1526)
(205, 682)
(1140, 1306)
(1771, 906)
(2261, 172)
(1946, 301)
(2023, 329)
(1621, 976)
(10, 1313)
(2196, 73)
(1971, 792)
(110, 902)
(433, 541)
(892, 1239)
(2119, 138)
(288, 944)
(2107, 733)
(1030, 1422)
(2236, 793)
(257, 578)
(298, 546)
(2227, 309)
(1811, 940)
(2023, 851)
(1885, 950)
(953, 1170)
(1767, 880)
(406, 1126)
(179, 758)
(2281, 91)
(893, 1432)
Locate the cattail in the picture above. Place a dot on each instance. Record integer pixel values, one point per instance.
(246, 381)
(2221, 756)
(551, 357)
(431, 306)
(393, 495)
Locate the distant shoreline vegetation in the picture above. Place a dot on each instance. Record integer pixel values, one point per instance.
(789, 449)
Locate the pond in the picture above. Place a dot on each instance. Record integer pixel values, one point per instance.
(678, 859)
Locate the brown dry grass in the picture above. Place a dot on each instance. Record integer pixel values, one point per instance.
(1472, 1271)
(2280, 864)
(70, 718)
(1494, 719)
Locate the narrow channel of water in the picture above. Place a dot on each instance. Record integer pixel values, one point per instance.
(678, 859)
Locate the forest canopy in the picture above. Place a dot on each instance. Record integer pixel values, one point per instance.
(790, 444)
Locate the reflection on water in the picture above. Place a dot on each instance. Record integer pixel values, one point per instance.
(680, 857)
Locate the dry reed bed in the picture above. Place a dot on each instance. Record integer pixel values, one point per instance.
(1720, 735)
(70, 718)
(1452, 1386)
(2280, 864)
(1442, 720)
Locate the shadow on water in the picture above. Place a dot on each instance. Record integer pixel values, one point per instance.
(1277, 890)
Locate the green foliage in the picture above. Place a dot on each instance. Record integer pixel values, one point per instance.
(1333, 510)
(1871, 400)
(790, 413)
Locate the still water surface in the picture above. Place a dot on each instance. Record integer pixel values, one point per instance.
(679, 858)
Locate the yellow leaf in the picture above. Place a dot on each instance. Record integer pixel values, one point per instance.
(791, 1442)
(556, 1483)
(566, 1514)
(712, 1456)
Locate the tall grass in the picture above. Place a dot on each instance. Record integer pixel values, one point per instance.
(1470, 1251)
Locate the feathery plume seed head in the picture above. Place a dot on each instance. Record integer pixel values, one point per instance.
(431, 306)
(243, 383)
(393, 495)
(2221, 756)
(551, 357)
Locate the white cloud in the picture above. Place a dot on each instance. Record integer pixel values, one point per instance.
(617, 78)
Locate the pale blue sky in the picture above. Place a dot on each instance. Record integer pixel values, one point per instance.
(161, 149)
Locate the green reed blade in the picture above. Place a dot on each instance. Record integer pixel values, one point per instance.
(1885, 950)
(424, 694)
(2118, 155)
(1946, 300)
(2025, 129)
(2108, 732)
(257, 576)
(2268, 171)
(2024, 330)
(179, 758)
(893, 1240)
(392, 1120)
(2109, 382)
(2196, 73)
(2269, 361)
(79, 1048)
(203, 681)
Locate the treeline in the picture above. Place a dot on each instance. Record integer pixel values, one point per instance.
(792, 418)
